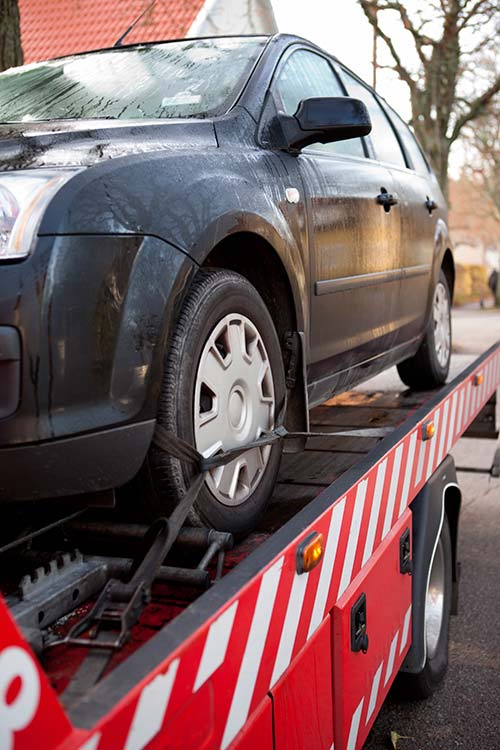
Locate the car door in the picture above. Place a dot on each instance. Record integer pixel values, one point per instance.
(385, 146)
(419, 207)
(355, 269)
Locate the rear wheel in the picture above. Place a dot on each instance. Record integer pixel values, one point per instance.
(436, 623)
(223, 386)
(429, 367)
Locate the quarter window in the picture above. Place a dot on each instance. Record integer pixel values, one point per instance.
(383, 137)
(303, 76)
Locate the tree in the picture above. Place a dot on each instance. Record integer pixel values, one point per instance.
(10, 35)
(447, 38)
(482, 142)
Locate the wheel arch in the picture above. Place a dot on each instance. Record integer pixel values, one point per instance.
(448, 266)
(452, 506)
(439, 498)
(255, 258)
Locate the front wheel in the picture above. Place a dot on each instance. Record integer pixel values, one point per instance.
(429, 367)
(223, 387)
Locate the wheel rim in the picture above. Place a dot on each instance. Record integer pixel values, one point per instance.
(234, 403)
(434, 603)
(442, 327)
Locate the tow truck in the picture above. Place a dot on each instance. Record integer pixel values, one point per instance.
(119, 636)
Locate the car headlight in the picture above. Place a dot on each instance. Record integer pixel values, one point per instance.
(23, 199)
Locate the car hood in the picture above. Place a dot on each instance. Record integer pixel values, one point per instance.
(85, 142)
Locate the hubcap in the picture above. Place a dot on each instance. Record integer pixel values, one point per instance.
(442, 327)
(234, 404)
(434, 603)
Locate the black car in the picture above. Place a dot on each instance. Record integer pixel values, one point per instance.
(189, 232)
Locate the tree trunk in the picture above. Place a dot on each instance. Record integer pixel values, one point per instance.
(437, 149)
(11, 53)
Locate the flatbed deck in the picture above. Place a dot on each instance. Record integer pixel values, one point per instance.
(302, 477)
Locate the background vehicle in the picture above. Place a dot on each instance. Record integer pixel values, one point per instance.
(231, 234)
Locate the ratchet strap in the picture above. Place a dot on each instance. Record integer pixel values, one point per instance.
(107, 626)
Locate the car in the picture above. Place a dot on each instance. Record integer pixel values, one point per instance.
(202, 235)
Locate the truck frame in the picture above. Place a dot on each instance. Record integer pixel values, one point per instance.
(303, 626)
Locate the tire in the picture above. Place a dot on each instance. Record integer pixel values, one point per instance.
(423, 684)
(220, 300)
(429, 367)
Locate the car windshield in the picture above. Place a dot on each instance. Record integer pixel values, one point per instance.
(193, 78)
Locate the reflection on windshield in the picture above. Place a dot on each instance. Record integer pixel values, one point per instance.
(178, 79)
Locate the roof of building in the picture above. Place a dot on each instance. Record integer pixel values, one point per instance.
(51, 28)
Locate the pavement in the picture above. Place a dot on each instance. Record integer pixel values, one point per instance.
(465, 712)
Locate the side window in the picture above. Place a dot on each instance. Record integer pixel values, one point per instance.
(411, 146)
(382, 135)
(305, 75)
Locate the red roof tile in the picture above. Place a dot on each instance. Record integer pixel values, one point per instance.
(50, 28)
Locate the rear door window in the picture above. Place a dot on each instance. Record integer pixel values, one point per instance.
(383, 137)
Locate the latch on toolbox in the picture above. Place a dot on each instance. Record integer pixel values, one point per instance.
(359, 637)
(405, 563)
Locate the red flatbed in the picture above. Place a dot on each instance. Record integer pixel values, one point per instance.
(265, 656)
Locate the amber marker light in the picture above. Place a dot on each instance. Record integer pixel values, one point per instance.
(428, 430)
(309, 552)
(478, 379)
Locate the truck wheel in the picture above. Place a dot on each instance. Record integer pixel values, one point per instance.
(436, 623)
(429, 367)
(223, 387)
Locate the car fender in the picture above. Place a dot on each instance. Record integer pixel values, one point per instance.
(442, 242)
(192, 200)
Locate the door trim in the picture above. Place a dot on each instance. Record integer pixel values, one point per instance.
(346, 283)
(421, 270)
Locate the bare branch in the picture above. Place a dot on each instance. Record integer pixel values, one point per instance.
(479, 6)
(370, 8)
(476, 108)
(421, 40)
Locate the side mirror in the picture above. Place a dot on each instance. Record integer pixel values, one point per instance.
(325, 120)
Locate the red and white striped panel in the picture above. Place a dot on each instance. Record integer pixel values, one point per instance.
(227, 667)
(362, 679)
(370, 704)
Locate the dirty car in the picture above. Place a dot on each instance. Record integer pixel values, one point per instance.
(209, 235)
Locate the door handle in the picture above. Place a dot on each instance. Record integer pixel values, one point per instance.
(430, 205)
(386, 199)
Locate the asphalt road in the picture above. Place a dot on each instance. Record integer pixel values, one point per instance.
(465, 712)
